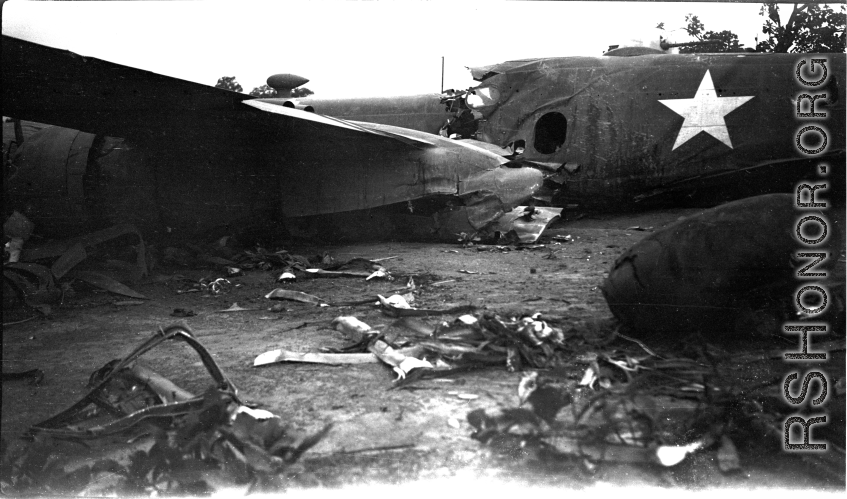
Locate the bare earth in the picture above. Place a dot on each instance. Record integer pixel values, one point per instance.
(380, 436)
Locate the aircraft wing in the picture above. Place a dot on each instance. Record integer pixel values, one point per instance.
(197, 157)
(62, 88)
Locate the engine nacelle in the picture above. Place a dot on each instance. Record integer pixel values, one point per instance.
(295, 105)
(70, 182)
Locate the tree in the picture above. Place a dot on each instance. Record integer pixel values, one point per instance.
(301, 92)
(228, 83)
(266, 91)
(263, 91)
(724, 41)
(810, 28)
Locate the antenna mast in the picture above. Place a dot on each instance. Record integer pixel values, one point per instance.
(442, 74)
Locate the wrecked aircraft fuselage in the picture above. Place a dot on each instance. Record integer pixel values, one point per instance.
(636, 128)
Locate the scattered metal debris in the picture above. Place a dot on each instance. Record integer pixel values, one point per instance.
(105, 282)
(33, 278)
(406, 311)
(525, 224)
(401, 364)
(198, 442)
(467, 342)
(646, 410)
(236, 308)
(351, 326)
(334, 359)
(31, 283)
(287, 294)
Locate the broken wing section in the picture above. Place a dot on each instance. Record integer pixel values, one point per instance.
(62, 88)
(345, 166)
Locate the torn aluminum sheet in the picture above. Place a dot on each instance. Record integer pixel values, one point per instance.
(334, 359)
(351, 326)
(346, 273)
(286, 294)
(396, 311)
(69, 259)
(214, 438)
(287, 276)
(235, 307)
(52, 249)
(396, 301)
(356, 267)
(57, 426)
(666, 455)
(103, 281)
(525, 223)
(399, 362)
(651, 421)
(33, 282)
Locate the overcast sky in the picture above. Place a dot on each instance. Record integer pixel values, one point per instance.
(350, 49)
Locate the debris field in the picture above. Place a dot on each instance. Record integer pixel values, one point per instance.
(411, 362)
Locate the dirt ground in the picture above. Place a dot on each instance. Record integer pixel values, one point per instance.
(380, 436)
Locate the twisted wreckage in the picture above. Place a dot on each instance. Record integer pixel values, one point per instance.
(162, 159)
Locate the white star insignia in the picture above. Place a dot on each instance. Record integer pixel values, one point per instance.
(704, 112)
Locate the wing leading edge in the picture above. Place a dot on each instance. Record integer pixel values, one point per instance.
(62, 88)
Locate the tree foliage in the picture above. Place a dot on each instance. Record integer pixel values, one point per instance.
(301, 92)
(267, 91)
(228, 83)
(263, 91)
(724, 41)
(810, 27)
